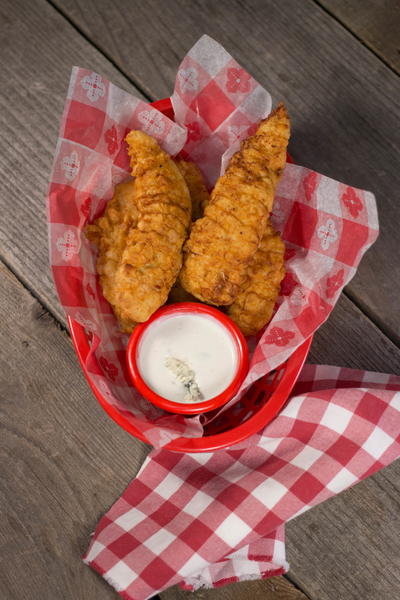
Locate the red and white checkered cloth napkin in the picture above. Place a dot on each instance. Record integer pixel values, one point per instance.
(204, 520)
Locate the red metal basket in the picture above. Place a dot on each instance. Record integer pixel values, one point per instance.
(261, 403)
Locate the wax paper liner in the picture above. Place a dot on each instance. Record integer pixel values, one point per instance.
(326, 225)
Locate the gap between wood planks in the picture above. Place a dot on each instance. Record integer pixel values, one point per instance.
(100, 50)
(46, 309)
(373, 318)
(139, 87)
(354, 34)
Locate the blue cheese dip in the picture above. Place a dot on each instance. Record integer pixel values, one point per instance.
(187, 358)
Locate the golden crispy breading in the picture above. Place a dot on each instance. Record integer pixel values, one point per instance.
(197, 187)
(253, 306)
(222, 244)
(109, 233)
(152, 256)
(109, 230)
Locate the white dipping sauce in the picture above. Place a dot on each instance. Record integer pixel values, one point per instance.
(198, 340)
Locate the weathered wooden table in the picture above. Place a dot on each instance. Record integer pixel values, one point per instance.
(64, 462)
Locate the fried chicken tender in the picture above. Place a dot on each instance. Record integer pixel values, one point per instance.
(254, 305)
(109, 233)
(152, 254)
(222, 244)
(197, 187)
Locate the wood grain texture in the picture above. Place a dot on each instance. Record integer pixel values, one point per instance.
(342, 99)
(38, 49)
(63, 461)
(375, 22)
(276, 588)
(348, 547)
(349, 339)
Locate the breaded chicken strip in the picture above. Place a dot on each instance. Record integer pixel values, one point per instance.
(197, 187)
(253, 306)
(109, 233)
(223, 243)
(152, 256)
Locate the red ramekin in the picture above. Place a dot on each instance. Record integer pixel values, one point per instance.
(197, 407)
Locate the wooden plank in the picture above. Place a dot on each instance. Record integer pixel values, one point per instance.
(276, 588)
(375, 22)
(348, 547)
(38, 48)
(349, 339)
(342, 98)
(63, 461)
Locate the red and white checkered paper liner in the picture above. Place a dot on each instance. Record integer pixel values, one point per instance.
(327, 226)
(204, 520)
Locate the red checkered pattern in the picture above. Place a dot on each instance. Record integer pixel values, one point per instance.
(204, 520)
(327, 226)
(218, 102)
